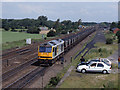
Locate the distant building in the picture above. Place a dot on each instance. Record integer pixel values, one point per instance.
(115, 30)
(45, 30)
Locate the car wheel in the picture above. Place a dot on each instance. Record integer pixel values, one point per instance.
(104, 72)
(83, 71)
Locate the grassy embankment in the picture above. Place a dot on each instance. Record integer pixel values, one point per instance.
(18, 39)
(79, 80)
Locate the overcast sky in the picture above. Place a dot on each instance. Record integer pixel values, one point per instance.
(87, 11)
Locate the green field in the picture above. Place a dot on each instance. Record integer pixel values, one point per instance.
(16, 36)
(10, 39)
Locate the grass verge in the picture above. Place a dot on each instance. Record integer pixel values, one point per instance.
(79, 80)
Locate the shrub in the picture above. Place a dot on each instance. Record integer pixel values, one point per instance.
(109, 41)
(64, 32)
(51, 33)
(33, 30)
(99, 50)
(54, 81)
(45, 38)
(13, 30)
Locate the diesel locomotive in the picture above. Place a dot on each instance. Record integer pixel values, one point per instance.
(49, 52)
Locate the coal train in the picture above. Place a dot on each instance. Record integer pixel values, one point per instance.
(51, 51)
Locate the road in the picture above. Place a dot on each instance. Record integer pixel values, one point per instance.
(99, 37)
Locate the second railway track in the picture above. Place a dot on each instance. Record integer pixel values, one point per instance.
(10, 73)
(27, 78)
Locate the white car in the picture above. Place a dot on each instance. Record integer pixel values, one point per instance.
(94, 67)
(105, 60)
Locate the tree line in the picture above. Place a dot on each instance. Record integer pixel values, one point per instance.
(32, 25)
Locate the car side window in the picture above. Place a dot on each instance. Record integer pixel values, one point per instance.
(93, 65)
(100, 65)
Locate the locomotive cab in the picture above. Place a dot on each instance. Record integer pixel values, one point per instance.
(50, 51)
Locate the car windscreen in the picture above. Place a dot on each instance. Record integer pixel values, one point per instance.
(45, 49)
(82, 63)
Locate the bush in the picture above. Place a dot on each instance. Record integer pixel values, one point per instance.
(99, 50)
(64, 32)
(54, 81)
(51, 33)
(33, 30)
(13, 30)
(118, 35)
(109, 41)
(45, 38)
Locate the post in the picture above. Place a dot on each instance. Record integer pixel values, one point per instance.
(42, 36)
(43, 72)
(71, 59)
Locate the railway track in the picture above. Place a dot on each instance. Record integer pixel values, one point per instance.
(21, 82)
(16, 53)
(21, 51)
(27, 78)
(13, 71)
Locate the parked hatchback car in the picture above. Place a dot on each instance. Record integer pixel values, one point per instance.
(105, 60)
(94, 67)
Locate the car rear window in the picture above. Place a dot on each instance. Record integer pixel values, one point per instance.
(107, 63)
(100, 65)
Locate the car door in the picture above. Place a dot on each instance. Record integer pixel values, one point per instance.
(92, 67)
(99, 67)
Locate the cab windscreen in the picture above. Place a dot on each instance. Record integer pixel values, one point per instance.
(45, 49)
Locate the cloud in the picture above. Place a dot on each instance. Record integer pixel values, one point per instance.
(14, 0)
(30, 9)
(60, 0)
(72, 11)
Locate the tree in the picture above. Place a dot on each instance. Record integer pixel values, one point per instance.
(67, 25)
(57, 26)
(33, 30)
(63, 32)
(42, 20)
(113, 25)
(51, 33)
(118, 24)
(6, 28)
(118, 35)
(79, 22)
